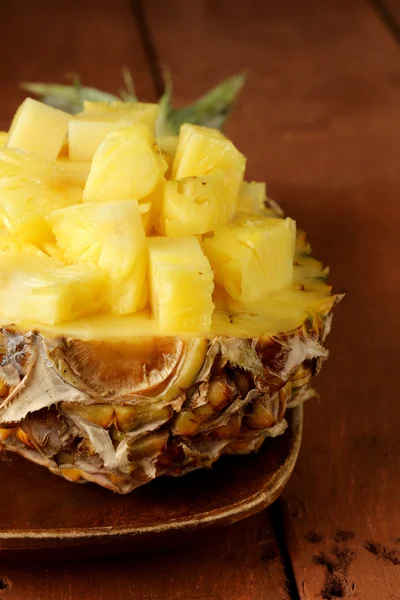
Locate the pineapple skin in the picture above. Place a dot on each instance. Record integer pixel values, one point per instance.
(196, 399)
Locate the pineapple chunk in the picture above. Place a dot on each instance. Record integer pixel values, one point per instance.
(194, 205)
(77, 170)
(135, 112)
(252, 196)
(127, 165)
(253, 256)
(110, 236)
(181, 284)
(3, 138)
(30, 188)
(38, 128)
(88, 129)
(202, 151)
(42, 290)
(145, 214)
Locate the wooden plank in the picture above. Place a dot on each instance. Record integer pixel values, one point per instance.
(389, 12)
(320, 120)
(42, 41)
(240, 562)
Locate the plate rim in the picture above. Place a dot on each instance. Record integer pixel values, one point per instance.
(233, 512)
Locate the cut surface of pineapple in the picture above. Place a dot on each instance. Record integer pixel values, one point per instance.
(43, 290)
(39, 129)
(194, 205)
(88, 129)
(30, 188)
(111, 236)
(202, 151)
(127, 165)
(181, 284)
(252, 256)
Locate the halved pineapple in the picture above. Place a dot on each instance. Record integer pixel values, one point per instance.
(201, 371)
(127, 165)
(111, 236)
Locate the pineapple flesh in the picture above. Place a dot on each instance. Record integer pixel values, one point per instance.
(157, 310)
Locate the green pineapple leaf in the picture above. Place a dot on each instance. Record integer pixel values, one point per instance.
(211, 110)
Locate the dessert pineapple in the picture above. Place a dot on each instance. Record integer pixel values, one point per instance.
(157, 310)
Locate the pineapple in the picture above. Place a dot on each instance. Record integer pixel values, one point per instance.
(194, 205)
(127, 166)
(39, 129)
(252, 256)
(181, 284)
(3, 138)
(88, 129)
(193, 370)
(202, 151)
(39, 289)
(111, 236)
(30, 188)
(76, 169)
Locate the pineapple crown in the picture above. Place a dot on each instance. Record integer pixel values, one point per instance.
(210, 110)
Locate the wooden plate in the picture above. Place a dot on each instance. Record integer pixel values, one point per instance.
(40, 511)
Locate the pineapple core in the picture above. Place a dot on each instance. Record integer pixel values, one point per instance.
(252, 256)
(181, 284)
(111, 236)
(42, 290)
(203, 151)
(38, 128)
(127, 165)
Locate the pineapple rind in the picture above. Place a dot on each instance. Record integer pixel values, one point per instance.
(226, 396)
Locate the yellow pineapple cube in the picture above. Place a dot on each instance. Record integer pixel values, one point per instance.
(145, 209)
(42, 290)
(110, 236)
(30, 188)
(252, 196)
(181, 284)
(194, 205)
(76, 169)
(136, 112)
(88, 129)
(203, 151)
(252, 256)
(39, 129)
(3, 138)
(127, 165)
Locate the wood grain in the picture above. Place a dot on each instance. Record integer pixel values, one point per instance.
(42, 41)
(320, 120)
(240, 562)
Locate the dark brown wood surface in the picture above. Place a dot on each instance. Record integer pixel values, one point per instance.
(320, 120)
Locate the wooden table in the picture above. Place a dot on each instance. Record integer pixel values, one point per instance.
(320, 120)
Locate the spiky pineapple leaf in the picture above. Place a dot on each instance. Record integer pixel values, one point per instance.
(210, 110)
(67, 97)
